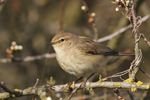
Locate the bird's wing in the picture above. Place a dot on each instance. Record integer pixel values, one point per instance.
(90, 47)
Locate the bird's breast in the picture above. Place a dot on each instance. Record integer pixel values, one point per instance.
(79, 64)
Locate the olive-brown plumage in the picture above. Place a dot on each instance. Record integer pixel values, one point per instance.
(80, 56)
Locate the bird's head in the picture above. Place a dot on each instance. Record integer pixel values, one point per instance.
(64, 41)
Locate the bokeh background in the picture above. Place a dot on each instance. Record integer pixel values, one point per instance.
(33, 23)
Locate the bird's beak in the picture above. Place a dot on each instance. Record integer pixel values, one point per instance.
(50, 43)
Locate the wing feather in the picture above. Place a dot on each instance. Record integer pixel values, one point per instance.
(88, 46)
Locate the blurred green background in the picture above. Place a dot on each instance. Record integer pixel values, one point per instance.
(33, 23)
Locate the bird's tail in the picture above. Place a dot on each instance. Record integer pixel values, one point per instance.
(114, 53)
(125, 54)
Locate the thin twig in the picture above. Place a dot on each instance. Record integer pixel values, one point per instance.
(91, 20)
(37, 81)
(74, 90)
(121, 30)
(130, 95)
(145, 95)
(28, 58)
(116, 91)
(143, 36)
(116, 75)
(62, 3)
(144, 72)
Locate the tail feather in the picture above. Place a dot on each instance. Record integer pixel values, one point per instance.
(125, 54)
(112, 53)
(119, 53)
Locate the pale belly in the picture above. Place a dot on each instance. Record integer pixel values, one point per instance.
(83, 65)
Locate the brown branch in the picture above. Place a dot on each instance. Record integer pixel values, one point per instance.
(62, 3)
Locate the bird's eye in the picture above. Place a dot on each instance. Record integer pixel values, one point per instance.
(62, 40)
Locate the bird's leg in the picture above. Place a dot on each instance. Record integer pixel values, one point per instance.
(78, 79)
(74, 89)
(84, 82)
(71, 83)
(82, 85)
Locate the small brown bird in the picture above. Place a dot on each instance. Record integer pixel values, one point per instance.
(81, 56)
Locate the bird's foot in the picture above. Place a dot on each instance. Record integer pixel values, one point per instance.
(71, 86)
(83, 85)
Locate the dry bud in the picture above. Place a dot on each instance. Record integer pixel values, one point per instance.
(16, 47)
(83, 8)
(90, 20)
(93, 14)
(117, 1)
(20, 47)
(8, 51)
(9, 55)
(58, 95)
(117, 9)
(48, 98)
(13, 43)
(12, 48)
